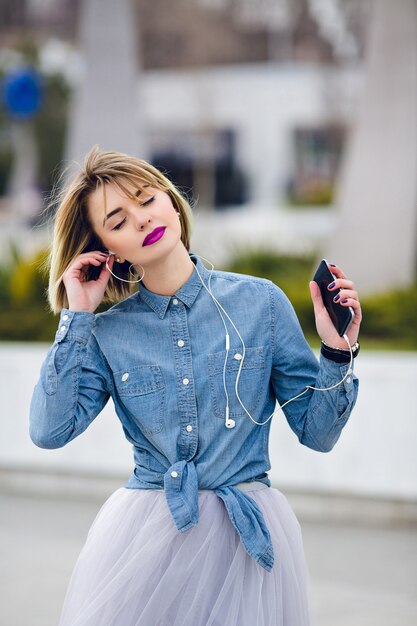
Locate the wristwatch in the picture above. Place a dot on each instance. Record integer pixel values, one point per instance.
(339, 354)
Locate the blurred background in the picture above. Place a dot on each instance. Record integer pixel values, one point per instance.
(291, 125)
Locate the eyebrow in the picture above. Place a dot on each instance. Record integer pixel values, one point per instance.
(114, 211)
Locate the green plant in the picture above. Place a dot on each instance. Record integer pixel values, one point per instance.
(24, 311)
(389, 319)
(277, 267)
(27, 284)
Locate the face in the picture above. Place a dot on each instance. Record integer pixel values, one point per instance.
(125, 223)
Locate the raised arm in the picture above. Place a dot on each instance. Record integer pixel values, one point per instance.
(317, 417)
(75, 381)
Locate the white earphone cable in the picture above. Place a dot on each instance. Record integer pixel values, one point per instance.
(231, 423)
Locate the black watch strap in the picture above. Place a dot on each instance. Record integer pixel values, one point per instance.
(339, 356)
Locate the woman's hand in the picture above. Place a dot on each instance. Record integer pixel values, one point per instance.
(86, 295)
(348, 297)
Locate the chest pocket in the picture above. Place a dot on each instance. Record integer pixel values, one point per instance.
(142, 392)
(250, 381)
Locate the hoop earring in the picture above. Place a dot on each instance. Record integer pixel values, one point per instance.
(130, 271)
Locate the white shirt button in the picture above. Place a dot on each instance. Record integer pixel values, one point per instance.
(185, 381)
(237, 356)
(63, 328)
(65, 317)
(174, 474)
(180, 343)
(175, 301)
(125, 376)
(189, 428)
(348, 379)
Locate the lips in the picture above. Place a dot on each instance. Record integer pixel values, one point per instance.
(154, 235)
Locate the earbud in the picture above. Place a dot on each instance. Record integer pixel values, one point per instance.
(117, 258)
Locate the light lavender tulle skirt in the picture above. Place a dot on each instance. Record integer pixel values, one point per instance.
(137, 569)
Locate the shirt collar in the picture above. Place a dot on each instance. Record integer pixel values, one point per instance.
(187, 293)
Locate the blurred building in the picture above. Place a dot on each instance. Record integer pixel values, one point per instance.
(207, 34)
(199, 36)
(210, 32)
(248, 105)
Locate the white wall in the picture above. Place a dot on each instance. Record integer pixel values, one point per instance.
(262, 103)
(376, 454)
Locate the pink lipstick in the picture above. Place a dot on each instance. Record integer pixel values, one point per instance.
(156, 234)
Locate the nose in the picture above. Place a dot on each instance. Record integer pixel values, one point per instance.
(142, 220)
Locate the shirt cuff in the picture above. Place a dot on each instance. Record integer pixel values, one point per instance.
(78, 324)
(332, 373)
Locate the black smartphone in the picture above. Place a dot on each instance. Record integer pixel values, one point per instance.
(341, 316)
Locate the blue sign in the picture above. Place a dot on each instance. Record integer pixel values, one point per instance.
(22, 92)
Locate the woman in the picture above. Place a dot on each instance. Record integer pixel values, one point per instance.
(194, 362)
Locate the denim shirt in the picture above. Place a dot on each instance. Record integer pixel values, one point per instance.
(161, 360)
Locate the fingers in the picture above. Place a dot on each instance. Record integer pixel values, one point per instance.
(96, 255)
(78, 269)
(341, 283)
(347, 299)
(337, 271)
(344, 288)
(346, 293)
(356, 306)
(87, 258)
(106, 270)
(350, 298)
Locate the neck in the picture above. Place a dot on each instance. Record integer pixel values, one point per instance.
(167, 275)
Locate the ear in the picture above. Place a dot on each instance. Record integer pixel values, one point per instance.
(118, 259)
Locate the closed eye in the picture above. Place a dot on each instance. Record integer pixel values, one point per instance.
(119, 225)
(151, 199)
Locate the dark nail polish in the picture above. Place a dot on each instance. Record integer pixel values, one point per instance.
(344, 301)
(331, 285)
(332, 265)
(336, 298)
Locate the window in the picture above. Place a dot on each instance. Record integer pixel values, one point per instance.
(317, 154)
(204, 162)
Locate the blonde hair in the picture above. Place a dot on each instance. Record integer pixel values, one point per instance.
(73, 233)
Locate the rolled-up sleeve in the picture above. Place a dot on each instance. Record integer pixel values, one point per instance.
(317, 417)
(74, 383)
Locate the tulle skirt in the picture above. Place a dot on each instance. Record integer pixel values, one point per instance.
(137, 569)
